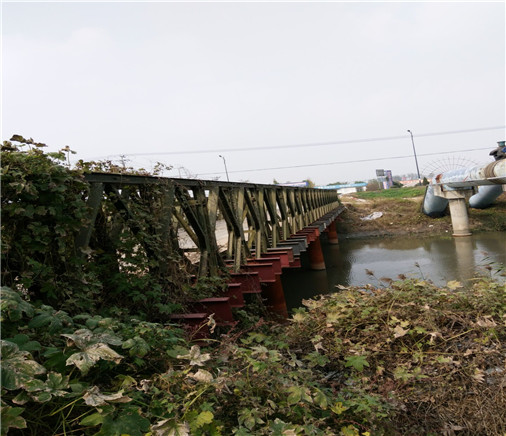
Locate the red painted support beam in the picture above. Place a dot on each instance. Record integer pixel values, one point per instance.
(234, 292)
(219, 306)
(274, 261)
(250, 282)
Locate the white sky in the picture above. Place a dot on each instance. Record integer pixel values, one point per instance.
(144, 78)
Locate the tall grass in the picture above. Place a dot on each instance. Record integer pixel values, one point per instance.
(393, 193)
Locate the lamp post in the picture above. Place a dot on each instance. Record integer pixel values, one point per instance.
(225, 163)
(414, 153)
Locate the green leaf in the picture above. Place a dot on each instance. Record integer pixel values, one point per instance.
(320, 399)
(11, 418)
(18, 367)
(357, 362)
(86, 359)
(127, 422)
(338, 408)
(295, 395)
(83, 338)
(204, 418)
(136, 346)
(13, 306)
(92, 420)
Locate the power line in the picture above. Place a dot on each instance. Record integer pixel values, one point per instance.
(312, 144)
(345, 162)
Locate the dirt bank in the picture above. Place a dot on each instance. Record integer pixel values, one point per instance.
(403, 216)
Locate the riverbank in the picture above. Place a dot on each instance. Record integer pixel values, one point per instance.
(402, 215)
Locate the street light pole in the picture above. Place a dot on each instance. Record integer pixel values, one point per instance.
(225, 163)
(416, 160)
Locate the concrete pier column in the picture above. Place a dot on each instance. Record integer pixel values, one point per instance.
(315, 253)
(459, 216)
(332, 233)
(458, 208)
(275, 297)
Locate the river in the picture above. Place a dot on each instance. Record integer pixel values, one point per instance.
(439, 259)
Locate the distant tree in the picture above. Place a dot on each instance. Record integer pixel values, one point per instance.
(310, 183)
(275, 182)
(337, 183)
(373, 185)
(358, 181)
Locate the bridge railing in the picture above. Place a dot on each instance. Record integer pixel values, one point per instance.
(257, 216)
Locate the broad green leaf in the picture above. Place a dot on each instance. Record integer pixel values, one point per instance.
(11, 418)
(136, 346)
(13, 306)
(357, 362)
(24, 343)
(83, 338)
(18, 367)
(295, 395)
(320, 399)
(92, 420)
(204, 418)
(127, 422)
(338, 408)
(86, 359)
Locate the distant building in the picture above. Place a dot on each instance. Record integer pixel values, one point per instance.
(303, 184)
(345, 189)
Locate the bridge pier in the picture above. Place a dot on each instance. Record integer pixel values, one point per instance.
(458, 208)
(275, 297)
(332, 233)
(315, 253)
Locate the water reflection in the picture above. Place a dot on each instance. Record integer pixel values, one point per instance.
(439, 259)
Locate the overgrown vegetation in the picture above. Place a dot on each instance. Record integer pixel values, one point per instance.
(128, 265)
(407, 359)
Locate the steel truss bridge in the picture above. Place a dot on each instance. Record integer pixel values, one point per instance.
(267, 227)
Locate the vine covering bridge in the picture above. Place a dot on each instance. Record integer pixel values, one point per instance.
(267, 228)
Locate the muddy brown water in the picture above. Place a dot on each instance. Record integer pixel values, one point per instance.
(439, 259)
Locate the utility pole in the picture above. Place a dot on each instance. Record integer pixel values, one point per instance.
(225, 163)
(416, 160)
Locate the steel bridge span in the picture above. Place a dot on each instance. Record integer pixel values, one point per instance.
(267, 228)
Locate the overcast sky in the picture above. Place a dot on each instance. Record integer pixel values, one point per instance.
(149, 80)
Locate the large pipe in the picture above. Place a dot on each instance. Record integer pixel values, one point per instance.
(433, 205)
(485, 196)
(490, 176)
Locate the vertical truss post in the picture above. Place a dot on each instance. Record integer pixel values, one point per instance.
(94, 200)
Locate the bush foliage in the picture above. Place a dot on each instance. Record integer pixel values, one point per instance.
(128, 264)
(407, 359)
